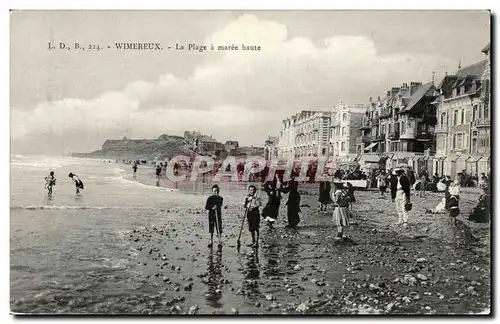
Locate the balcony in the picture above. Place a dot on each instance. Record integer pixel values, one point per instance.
(380, 138)
(482, 122)
(373, 138)
(365, 126)
(409, 134)
(443, 128)
(425, 136)
(394, 136)
(385, 113)
(363, 139)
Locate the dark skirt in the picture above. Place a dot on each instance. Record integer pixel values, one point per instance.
(253, 218)
(383, 189)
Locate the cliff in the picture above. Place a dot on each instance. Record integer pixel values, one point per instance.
(149, 149)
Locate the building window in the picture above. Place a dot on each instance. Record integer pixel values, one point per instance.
(458, 91)
(474, 145)
(455, 117)
(344, 116)
(343, 131)
(323, 151)
(486, 111)
(343, 146)
(403, 128)
(474, 113)
(462, 117)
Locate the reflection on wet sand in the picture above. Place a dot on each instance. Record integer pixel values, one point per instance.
(252, 274)
(214, 280)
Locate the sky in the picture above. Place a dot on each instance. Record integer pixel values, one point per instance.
(72, 101)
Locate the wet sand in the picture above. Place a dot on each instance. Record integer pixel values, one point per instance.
(426, 268)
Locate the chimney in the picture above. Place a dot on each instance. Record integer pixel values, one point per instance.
(394, 91)
(414, 86)
(389, 93)
(433, 77)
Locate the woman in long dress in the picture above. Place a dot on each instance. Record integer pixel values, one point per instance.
(341, 209)
(293, 203)
(270, 211)
(324, 194)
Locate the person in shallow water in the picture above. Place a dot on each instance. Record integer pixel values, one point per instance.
(214, 207)
(50, 181)
(293, 203)
(135, 170)
(77, 181)
(252, 204)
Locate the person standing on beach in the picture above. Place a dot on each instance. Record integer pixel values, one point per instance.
(340, 209)
(400, 193)
(77, 181)
(293, 203)
(324, 193)
(252, 204)
(214, 207)
(423, 184)
(382, 183)
(453, 202)
(271, 210)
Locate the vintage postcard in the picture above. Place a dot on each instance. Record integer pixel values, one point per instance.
(250, 162)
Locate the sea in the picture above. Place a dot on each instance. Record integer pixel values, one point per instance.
(67, 243)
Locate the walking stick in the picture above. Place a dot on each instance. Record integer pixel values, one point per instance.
(217, 227)
(238, 243)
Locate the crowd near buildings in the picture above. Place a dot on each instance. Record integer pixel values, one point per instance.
(442, 128)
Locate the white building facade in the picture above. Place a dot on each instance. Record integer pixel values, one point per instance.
(345, 121)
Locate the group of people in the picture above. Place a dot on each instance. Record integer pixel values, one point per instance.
(252, 204)
(50, 182)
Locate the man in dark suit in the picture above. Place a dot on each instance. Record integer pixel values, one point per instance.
(400, 193)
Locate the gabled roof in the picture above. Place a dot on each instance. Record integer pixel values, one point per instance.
(475, 69)
(424, 90)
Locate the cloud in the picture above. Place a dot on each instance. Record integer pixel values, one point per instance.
(242, 95)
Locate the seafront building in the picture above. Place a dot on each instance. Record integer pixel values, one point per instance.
(305, 134)
(464, 120)
(346, 120)
(399, 128)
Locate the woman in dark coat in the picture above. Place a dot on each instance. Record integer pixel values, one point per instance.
(324, 194)
(293, 203)
(270, 211)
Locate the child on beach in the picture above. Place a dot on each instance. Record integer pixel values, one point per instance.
(252, 204)
(50, 181)
(341, 209)
(77, 181)
(214, 206)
